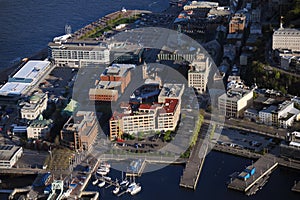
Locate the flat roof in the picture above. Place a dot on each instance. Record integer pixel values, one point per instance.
(13, 89)
(8, 151)
(171, 90)
(98, 91)
(31, 69)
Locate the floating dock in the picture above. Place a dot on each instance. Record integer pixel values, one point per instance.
(264, 167)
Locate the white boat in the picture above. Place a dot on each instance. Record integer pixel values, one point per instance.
(131, 186)
(101, 184)
(124, 183)
(107, 178)
(136, 189)
(116, 190)
(95, 182)
(102, 173)
(68, 192)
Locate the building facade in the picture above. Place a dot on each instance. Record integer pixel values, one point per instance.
(75, 51)
(237, 23)
(80, 131)
(39, 129)
(198, 73)
(9, 155)
(286, 38)
(161, 116)
(235, 101)
(35, 106)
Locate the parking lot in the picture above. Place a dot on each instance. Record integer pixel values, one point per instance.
(244, 140)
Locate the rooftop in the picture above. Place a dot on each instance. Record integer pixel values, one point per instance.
(13, 89)
(40, 123)
(31, 69)
(171, 90)
(7, 151)
(117, 70)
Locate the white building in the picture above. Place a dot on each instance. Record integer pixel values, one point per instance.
(282, 116)
(27, 76)
(39, 129)
(286, 38)
(198, 74)
(73, 52)
(34, 107)
(9, 155)
(235, 102)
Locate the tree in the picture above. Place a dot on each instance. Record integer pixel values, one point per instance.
(277, 75)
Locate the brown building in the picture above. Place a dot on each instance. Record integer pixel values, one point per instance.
(80, 131)
(237, 23)
(113, 81)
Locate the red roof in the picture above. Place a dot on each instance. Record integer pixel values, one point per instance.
(169, 106)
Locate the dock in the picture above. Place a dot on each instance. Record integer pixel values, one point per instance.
(264, 167)
(139, 171)
(191, 173)
(296, 187)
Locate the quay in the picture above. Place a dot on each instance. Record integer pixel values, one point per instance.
(296, 187)
(264, 166)
(237, 152)
(22, 171)
(191, 173)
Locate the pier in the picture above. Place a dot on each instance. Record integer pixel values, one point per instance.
(296, 187)
(139, 170)
(193, 168)
(264, 166)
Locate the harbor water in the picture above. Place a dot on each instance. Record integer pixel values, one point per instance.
(164, 184)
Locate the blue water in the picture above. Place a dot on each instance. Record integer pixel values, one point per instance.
(27, 27)
(164, 184)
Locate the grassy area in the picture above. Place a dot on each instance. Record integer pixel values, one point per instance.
(60, 159)
(99, 31)
(194, 138)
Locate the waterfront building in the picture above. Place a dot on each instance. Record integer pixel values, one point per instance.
(234, 102)
(9, 155)
(35, 106)
(39, 128)
(80, 131)
(198, 73)
(22, 81)
(200, 5)
(113, 82)
(160, 116)
(73, 52)
(237, 23)
(286, 38)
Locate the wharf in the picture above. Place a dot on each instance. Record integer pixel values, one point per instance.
(235, 151)
(264, 166)
(296, 187)
(191, 173)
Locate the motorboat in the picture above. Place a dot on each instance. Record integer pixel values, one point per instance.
(136, 189)
(107, 178)
(124, 183)
(131, 186)
(101, 184)
(95, 182)
(116, 190)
